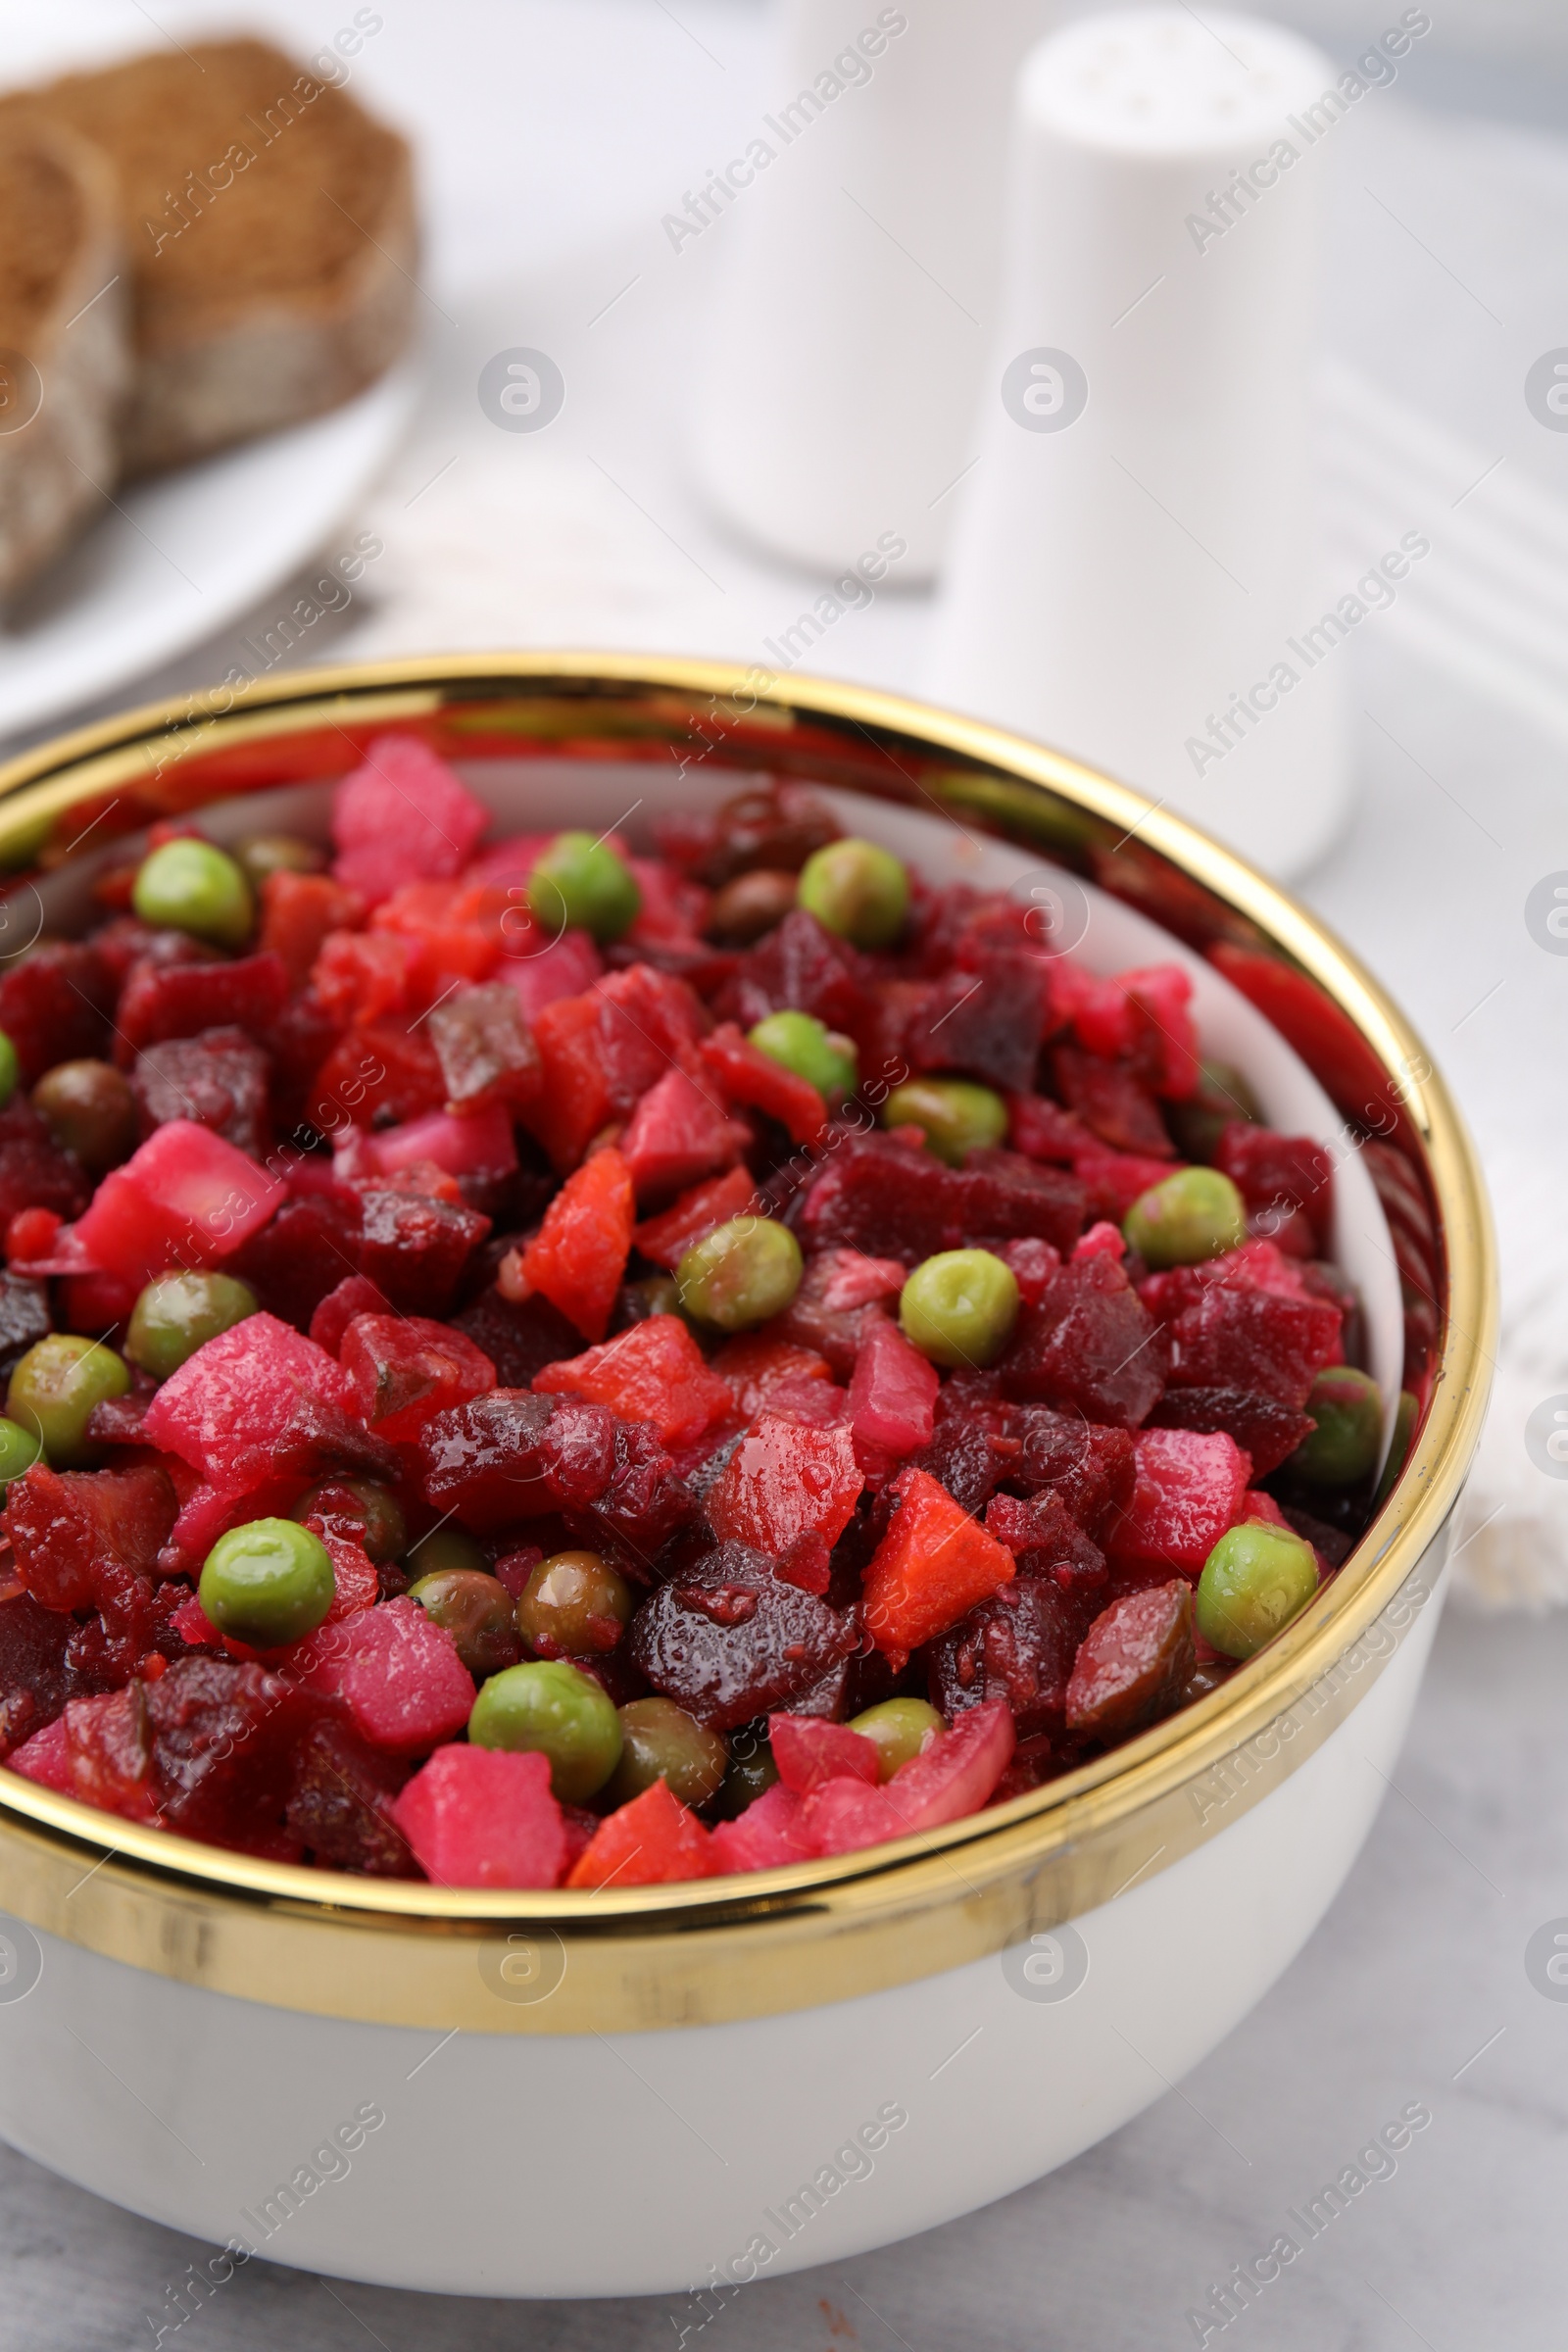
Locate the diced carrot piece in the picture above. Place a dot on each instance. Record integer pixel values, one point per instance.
(360, 975)
(930, 1568)
(298, 910)
(579, 1253)
(754, 1078)
(784, 1480)
(754, 1365)
(652, 1372)
(446, 944)
(574, 1093)
(809, 1751)
(649, 1842)
(667, 1238)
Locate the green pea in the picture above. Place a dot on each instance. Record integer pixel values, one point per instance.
(661, 1741)
(192, 886)
(264, 854)
(574, 1605)
(1254, 1581)
(383, 1529)
(798, 1042)
(18, 1450)
(1404, 1420)
(91, 1111)
(744, 1273)
(1222, 1094)
(899, 1728)
(580, 884)
(555, 1710)
(477, 1611)
(956, 1116)
(1194, 1214)
(1347, 1408)
(959, 1306)
(749, 1776)
(10, 1069)
(54, 1389)
(180, 1312)
(858, 890)
(445, 1547)
(268, 1583)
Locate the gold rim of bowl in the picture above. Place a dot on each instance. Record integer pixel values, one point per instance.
(714, 1951)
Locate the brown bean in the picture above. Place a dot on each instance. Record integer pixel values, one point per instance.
(750, 906)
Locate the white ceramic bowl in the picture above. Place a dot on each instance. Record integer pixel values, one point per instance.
(682, 2089)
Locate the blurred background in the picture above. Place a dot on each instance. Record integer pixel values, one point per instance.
(555, 461)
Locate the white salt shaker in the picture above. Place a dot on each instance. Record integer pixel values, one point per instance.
(1136, 576)
(859, 259)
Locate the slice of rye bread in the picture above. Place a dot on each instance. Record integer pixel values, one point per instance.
(271, 233)
(64, 345)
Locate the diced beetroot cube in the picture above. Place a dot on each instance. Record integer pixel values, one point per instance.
(574, 1097)
(579, 1253)
(308, 1248)
(54, 1006)
(1042, 1535)
(194, 1627)
(955, 1773)
(397, 1672)
(1143, 1015)
(988, 1018)
(894, 1391)
(108, 1747)
(882, 1196)
(404, 816)
(415, 1249)
(486, 1049)
(844, 1815)
(385, 1071)
(728, 1640)
(647, 1020)
(566, 967)
(67, 1527)
(1265, 1431)
(849, 1279)
(44, 1756)
(1279, 1172)
(1256, 1339)
(784, 1480)
(1091, 1343)
(355, 1582)
(1033, 1264)
(353, 1296)
(484, 1817)
(766, 1835)
(1255, 1505)
(800, 967)
(1042, 1130)
(809, 1751)
(655, 1372)
(667, 1238)
(1090, 1466)
(252, 1403)
(219, 1078)
(184, 1197)
(225, 1736)
(340, 1803)
(647, 1501)
(1133, 1662)
(35, 1675)
(1017, 1647)
(677, 1134)
(652, 1842)
(1188, 1491)
(404, 1368)
(1114, 1180)
(754, 1366)
(181, 1000)
(930, 1568)
(479, 1143)
(511, 1455)
(37, 1177)
(749, 1076)
(1110, 1098)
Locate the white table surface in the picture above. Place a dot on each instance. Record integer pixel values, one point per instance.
(553, 136)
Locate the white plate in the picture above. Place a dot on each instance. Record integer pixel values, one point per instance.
(179, 557)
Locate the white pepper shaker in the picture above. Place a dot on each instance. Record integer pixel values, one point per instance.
(1136, 576)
